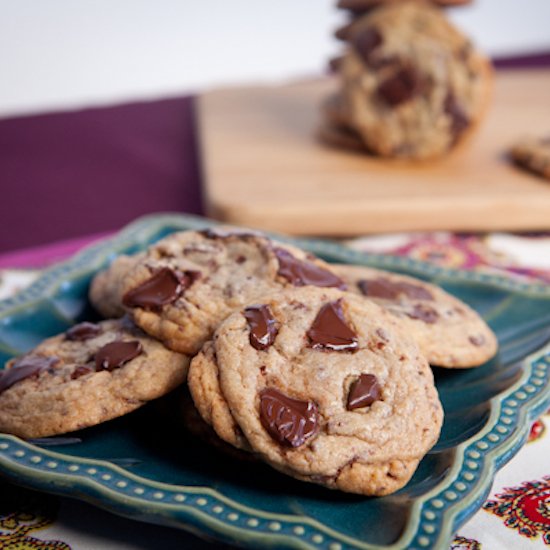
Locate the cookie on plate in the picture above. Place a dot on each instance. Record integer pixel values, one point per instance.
(412, 84)
(85, 376)
(105, 288)
(204, 387)
(533, 154)
(448, 331)
(323, 386)
(194, 423)
(184, 285)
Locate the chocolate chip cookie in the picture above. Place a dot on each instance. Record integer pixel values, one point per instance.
(448, 331)
(412, 84)
(184, 285)
(533, 154)
(89, 374)
(325, 387)
(105, 289)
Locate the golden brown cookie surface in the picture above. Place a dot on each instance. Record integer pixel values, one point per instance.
(89, 374)
(448, 332)
(324, 387)
(412, 84)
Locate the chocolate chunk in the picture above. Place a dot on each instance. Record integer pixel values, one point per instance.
(379, 288)
(211, 233)
(218, 233)
(115, 354)
(164, 287)
(330, 329)
(390, 290)
(289, 421)
(335, 64)
(300, 273)
(365, 42)
(459, 120)
(81, 370)
(25, 367)
(400, 87)
(363, 392)
(423, 313)
(262, 326)
(478, 340)
(344, 32)
(83, 331)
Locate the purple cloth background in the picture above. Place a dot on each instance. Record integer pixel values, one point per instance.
(69, 174)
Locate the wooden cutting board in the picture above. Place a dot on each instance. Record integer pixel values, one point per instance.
(264, 168)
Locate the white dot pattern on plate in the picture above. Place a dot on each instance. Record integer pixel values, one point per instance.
(476, 452)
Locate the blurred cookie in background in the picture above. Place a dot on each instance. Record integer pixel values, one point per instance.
(533, 154)
(412, 85)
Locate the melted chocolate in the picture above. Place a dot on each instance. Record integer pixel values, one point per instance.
(25, 367)
(423, 313)
(344, 32)
(83, 331)
(290, 422)
(262, 326)
(81, 370)
(335, 64)
(399, 88)
(390, 290)
(115, 354)
(366, 42)
(363, 392)
(301, 273)
(330, 330)
(163, 287)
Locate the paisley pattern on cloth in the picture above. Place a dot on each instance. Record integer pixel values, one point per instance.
(525, 257)
(538, 429)
(462, 543)
(525, 508)
(22, 512)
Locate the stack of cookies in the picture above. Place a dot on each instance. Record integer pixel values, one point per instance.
(412, 86)
(322, 371)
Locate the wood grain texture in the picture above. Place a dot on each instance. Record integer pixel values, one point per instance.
(264, 168)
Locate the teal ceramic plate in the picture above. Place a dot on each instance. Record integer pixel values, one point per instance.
(145, 467)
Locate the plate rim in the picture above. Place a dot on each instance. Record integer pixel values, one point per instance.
(531, 394)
